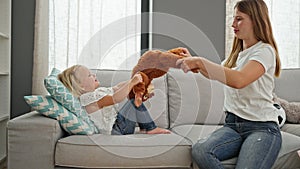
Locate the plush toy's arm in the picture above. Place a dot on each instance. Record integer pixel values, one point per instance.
(157, 60)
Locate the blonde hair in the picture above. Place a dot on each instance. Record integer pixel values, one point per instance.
(70, 81)
(258, 12)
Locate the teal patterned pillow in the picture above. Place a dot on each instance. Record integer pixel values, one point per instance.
(50, 108)
(60, 93)
(63, 96)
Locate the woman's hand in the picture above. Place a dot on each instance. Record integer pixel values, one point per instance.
(185, 52)
(189, 64)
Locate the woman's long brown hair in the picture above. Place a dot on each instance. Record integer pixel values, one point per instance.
(258, 12)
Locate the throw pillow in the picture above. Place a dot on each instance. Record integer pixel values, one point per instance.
(50, 108)
(292, 109)
(63, 96)
(60, 93)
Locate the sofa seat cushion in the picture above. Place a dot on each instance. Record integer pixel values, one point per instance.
(194, 132)
(290, 142)
(131, 151)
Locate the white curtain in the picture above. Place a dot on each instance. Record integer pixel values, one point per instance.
(41, 47)
(285, 18)
(102, 34)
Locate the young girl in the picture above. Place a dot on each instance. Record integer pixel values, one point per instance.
(101, 103)
(251, 130)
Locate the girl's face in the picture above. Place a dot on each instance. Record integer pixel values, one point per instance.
(87, 79)
(242, 26)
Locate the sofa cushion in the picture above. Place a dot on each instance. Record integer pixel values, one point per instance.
(287, 85)
(157, 105)
(63, 96)
(67, 120)
(194, 99)
(124, 151)
(291, 109)
(60, 93)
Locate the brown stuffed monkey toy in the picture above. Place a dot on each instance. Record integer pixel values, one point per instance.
(152, 64)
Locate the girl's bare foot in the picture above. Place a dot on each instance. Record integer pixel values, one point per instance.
(143, 131)
(158, 130)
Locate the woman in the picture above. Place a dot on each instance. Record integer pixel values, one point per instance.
(251, 130)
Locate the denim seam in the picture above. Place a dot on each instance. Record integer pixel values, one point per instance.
(268, 153)
(216, 147)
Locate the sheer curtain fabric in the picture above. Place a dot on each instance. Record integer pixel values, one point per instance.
(100, 34)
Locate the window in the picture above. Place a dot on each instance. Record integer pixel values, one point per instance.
(101, 34)
(285, 19)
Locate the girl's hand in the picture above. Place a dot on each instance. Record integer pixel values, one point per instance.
(137, 78)
(189, 63)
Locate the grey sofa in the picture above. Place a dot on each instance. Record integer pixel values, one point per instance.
(188, 104)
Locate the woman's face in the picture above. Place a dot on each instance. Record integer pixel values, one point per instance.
(242, 26)
(88, 80)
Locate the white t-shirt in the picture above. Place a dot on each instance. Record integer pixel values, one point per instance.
(255, 101)
(104, 118)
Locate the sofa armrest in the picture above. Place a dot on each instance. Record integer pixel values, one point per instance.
(31, 141)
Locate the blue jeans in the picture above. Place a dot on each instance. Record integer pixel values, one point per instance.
(256, 144)
(129, 115)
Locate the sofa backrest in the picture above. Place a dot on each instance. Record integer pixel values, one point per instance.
(193, 99)
(157, 105)
(287, 85)
(179, 98)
